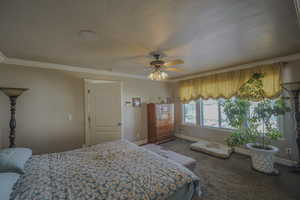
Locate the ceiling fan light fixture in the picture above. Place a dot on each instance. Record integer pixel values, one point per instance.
(159, 66)
(158, 75)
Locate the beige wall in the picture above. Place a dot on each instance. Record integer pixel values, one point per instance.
(42, 111)
(290, 73)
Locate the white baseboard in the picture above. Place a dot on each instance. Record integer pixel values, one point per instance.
(186, 137)
(278, 160)
(2, 57)
(243, 151)
(141, 142)
(286, 162)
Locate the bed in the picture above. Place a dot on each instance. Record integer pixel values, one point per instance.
(113, 170)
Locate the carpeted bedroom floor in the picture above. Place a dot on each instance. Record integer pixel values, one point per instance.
(233, 179)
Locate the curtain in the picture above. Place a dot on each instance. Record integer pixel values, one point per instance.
(226, 85)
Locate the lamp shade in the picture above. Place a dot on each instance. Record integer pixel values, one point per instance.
(158, 75)
(13, 92)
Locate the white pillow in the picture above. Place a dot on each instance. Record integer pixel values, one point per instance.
(14, 159)
(7, 181)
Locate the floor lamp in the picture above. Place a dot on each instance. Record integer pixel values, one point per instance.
(13, 94)
(293, 88)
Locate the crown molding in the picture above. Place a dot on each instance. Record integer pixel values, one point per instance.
(289, 58)
(2, 57)
(45, 65)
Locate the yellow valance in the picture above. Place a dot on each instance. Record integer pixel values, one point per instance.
(226, 85)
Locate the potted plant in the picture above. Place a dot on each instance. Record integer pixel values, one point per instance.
(255, 129)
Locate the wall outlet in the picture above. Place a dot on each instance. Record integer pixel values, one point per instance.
(288, 151)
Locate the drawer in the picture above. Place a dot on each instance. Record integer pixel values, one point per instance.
(164, 130)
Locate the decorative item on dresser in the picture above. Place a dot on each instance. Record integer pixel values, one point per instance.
(13, 94)
(160, 122)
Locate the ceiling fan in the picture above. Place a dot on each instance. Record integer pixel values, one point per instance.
(159, 67)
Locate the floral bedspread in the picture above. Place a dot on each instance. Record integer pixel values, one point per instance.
(110, 171)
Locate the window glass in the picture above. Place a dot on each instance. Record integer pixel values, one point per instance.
(189, 113)
(210, 109)
(212, 114)
(224, 121)
(274, 120)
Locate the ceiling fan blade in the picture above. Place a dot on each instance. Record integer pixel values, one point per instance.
(173, 69)
(174, 62)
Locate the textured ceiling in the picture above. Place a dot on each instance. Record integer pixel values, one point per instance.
(206, 34)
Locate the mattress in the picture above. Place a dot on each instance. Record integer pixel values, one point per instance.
(188, 162)
(110, 171)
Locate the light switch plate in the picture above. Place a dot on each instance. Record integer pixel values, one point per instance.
(70, 117)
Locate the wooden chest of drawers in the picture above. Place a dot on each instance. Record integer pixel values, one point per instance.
(160, 122)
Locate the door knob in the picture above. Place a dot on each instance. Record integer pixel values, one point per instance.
(89, 120)
(119, 124)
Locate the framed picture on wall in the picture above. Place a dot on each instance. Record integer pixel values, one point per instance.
(136, 102)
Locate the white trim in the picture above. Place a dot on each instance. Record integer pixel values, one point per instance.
(86, 114)
(227, 130)
(289, 58)
(186, 137)
(45, 65)
(141, 142)
(278, 160)
(286, 162)
(99, 81)
(2, 57)
(186, 124)
(122, 110)
(241, 150)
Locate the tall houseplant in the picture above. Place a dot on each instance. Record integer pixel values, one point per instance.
(255, 129)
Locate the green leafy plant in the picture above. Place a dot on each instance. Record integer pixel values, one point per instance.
(236, 110)
(255, 126)
(248, 126)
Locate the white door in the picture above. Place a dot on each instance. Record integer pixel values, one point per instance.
(104, 111)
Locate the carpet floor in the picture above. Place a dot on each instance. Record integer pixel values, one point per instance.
(233, 178)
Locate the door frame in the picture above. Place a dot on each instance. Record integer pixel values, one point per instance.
(86, 107)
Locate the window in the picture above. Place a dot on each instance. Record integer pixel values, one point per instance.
(223, 118)
(213, 115)
(274, 120)
(189, 113)
(210, 113)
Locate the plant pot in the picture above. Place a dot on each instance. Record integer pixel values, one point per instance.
(263, 159)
